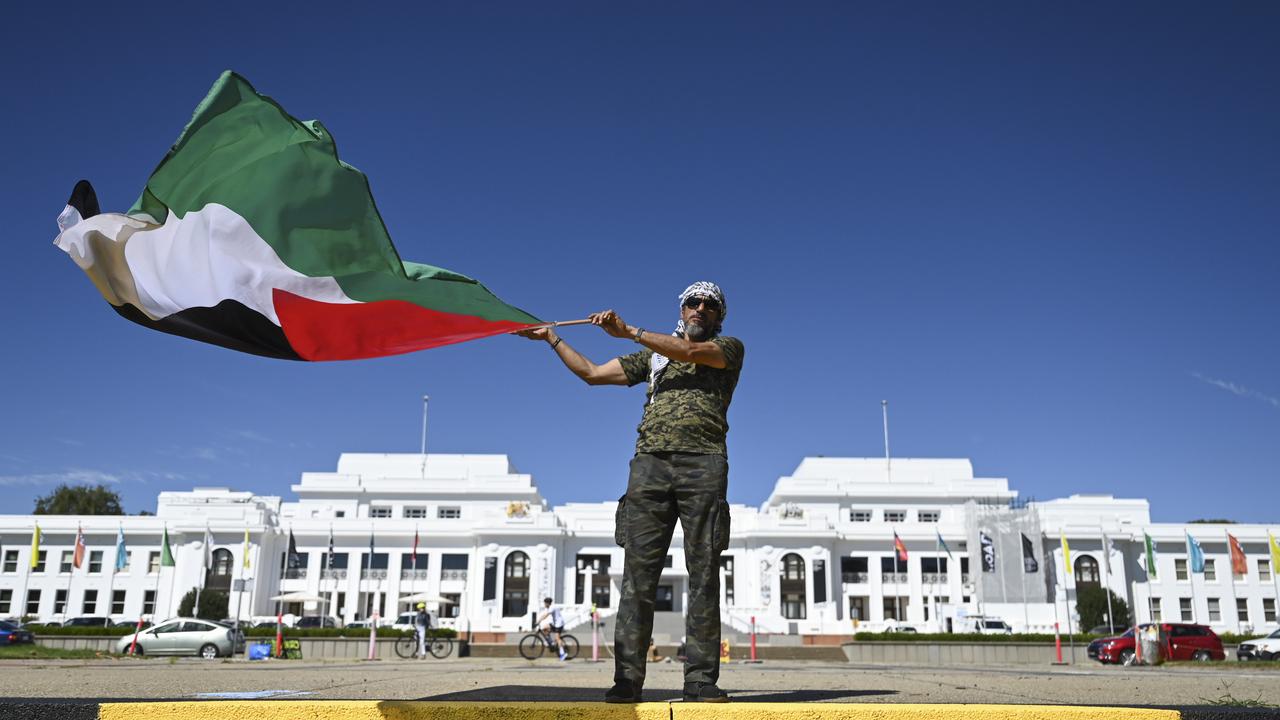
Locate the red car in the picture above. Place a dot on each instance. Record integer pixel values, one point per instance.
(1183, 641)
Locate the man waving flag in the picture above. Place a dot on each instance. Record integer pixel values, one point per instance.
(252, 234)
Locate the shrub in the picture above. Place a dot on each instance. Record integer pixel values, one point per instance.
(342, 632)
(213, 604)
(1091, 603)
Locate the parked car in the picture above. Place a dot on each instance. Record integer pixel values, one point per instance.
(316, 621)
(130, 624)
(992, 626)
(13, 634)
(1266, 647)
(1183, 641)
(185, 636)
(1106, 630)
(360, 624)
(88, 621)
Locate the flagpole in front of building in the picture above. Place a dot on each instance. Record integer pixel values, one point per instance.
(1191, 577)
(888, 464)
(425, 398)
(1231, 579)
(1106, 574)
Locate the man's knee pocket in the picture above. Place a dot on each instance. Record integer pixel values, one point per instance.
(720, 527)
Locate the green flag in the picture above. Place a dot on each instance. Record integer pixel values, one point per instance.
(1151, 555)
(166, 554)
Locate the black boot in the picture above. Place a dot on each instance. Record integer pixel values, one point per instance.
(704, 692)
(623, 691)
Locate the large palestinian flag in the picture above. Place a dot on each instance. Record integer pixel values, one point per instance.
(253, 235)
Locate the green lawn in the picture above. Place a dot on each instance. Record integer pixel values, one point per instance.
(10, 652)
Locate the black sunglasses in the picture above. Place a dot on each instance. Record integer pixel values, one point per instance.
(709, 303)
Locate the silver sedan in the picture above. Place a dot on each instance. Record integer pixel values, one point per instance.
(185, 636)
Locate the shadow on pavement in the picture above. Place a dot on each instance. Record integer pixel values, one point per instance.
(543, 693)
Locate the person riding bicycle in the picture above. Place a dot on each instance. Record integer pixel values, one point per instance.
(421, 621)
(552, 623)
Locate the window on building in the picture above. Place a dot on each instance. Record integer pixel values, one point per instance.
(819, 581)
(33, 602)
(379, 511)
(599, 572)
(726, 562)
(1264, 570)
(934, 566)
(1180, 568)
(293, 567)
(59, 602)
(1184, 605)
(415, 513)
(95, 561)
(117, 602)
(669, 561)
(856, 515)
(928, 516)
(794, 605)
(1086, 571)
(1242, 610)
(6, 599)
(1215, 612)
(515, 586)
(858, 607)
(1210, 570)
(1269, 609)
(340, 513)
(895, 607)
(149, 602)
(414, 566)
(335, 566)
(964, 569)
(448, 513)
(895, 516)
(453, 566)
(893, 564)
(452, 602)
(153, 563)
(853, 569)
(11, 561)
(1154, 606)
(374, 566)
(490, 578)
(89, 605)
(65, 566)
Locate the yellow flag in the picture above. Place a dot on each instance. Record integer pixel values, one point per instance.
(1275, 553)
(35, 546)
(1066, 552)
(245, 562)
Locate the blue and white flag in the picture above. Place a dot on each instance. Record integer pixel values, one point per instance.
(943, 544)
(122, 553)
(1196, 553)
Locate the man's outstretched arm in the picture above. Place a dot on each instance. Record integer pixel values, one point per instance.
(610, 373)
(676, 348)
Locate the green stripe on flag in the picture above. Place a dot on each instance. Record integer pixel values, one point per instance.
(283, 176)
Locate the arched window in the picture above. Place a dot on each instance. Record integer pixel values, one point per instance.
(218, 577)
(1086, 571)
(793, 587)
(515, 586)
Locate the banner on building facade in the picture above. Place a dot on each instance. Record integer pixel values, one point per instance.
(1029, 563)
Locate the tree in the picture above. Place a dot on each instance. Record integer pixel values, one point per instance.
(213, 604)
(1091, 603)
(79, 500)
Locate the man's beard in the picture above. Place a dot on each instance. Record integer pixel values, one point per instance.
(695, 332)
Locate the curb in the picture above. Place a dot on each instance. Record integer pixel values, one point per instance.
(88, 709)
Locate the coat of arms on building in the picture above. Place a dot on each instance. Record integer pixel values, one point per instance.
(517, 509)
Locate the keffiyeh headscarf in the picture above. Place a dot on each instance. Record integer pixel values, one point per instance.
(658, 362)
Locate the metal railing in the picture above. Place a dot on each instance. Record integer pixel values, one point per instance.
(334, 574)
(454, 575)
(373, 574)
(933, 578)
(853, 577)
(899, 578)
(293, 574)
(411, 574)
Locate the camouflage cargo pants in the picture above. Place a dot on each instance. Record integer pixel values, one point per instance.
(664, 488)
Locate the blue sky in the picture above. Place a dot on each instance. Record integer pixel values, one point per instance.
(1047, 235)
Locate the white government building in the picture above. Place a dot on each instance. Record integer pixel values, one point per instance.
(816, 558)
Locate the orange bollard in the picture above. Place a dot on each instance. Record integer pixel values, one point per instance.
(133, 646)
(1057, 644)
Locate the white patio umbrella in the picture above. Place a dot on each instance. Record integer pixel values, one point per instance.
(301, 597)
(424, 598)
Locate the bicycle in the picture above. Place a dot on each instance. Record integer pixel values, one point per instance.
(438, 647)
(533, 645)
